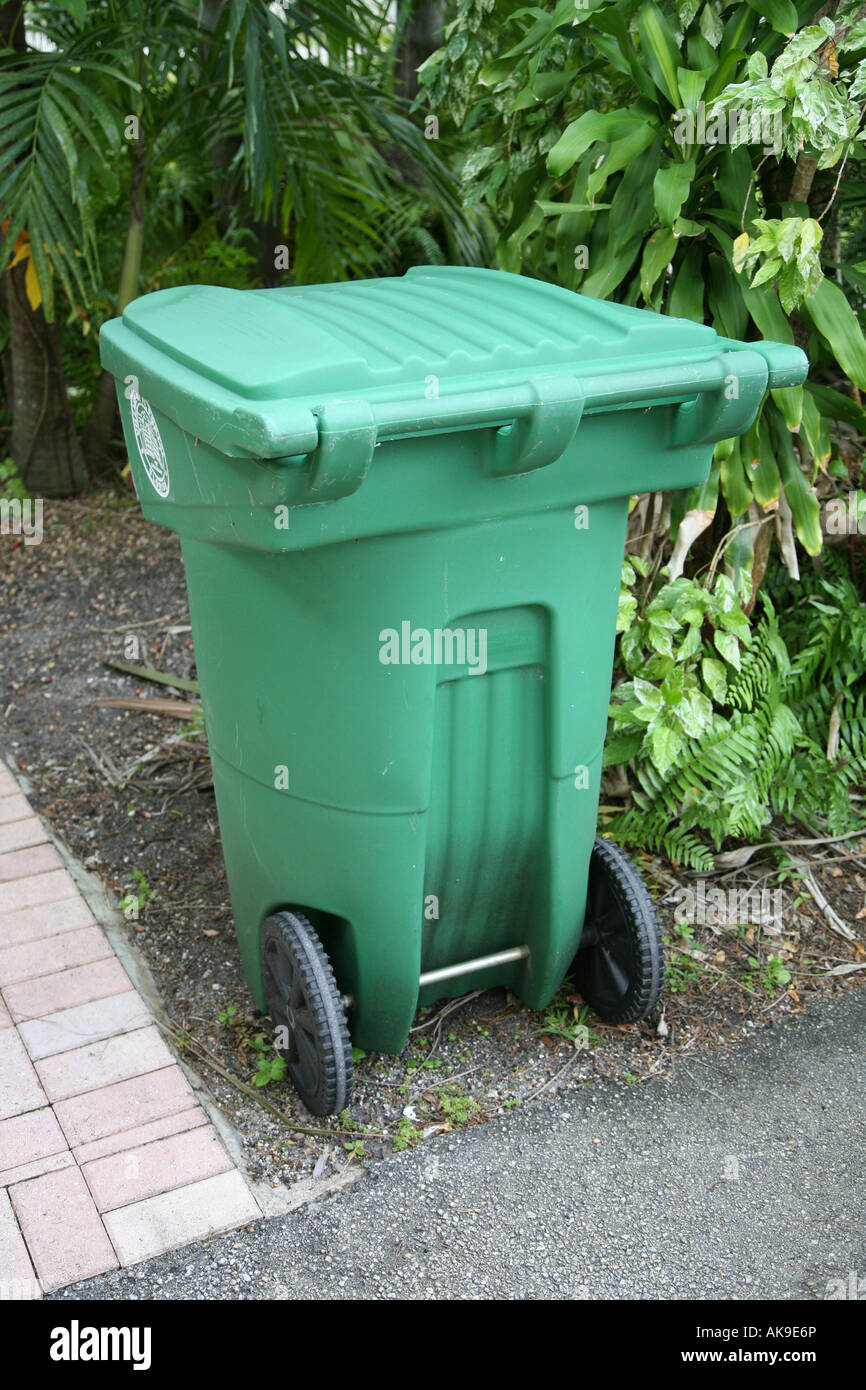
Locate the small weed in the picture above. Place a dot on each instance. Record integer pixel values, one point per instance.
(407, 1135)
(194, 727)
(457, 1109)
(566, 1021)
(358, 1054)
(131, 903)
(271, 1067)
(682, 968)
(228, 1016)
(772, 976)
(10, 483)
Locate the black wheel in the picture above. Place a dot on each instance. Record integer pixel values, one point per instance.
(619, 967)
(304, 1002)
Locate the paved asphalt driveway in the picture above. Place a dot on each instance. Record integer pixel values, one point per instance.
(742, 1177)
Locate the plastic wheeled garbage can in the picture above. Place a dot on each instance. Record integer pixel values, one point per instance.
(402, 505)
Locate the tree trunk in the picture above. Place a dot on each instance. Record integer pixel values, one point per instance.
(43, 444)
(42, 441)
(421, 37)
(224, 148)
(801, 183)
(100, 426)
(804, 174)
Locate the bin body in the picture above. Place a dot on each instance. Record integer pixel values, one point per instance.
(402, 507)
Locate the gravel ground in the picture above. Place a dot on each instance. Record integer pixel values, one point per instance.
(136, 805)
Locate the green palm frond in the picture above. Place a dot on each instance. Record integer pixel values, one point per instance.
(272, 105)
(55, 123)
(326, 148)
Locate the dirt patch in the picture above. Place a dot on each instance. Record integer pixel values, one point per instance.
(131, 795)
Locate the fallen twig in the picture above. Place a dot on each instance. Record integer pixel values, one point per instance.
(553, 1079)
(103, 764)
(831, 916)
(185, 1041)
(132, 768)
(448, 1009)
(736, 858)
(152, 704)
(707, 965)
(430, 1083)
(132, 624)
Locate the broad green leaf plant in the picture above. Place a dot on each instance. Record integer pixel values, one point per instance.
(686, 157)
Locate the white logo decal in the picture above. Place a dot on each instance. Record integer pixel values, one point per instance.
(149, 442)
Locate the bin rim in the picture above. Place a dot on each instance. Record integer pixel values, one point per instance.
(290, 428)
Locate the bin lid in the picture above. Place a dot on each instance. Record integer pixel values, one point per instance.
(337, 369)
(447, 322)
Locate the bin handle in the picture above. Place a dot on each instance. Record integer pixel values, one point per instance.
(347, 437)
(713, 395)
(542, 434)
(728, 410)
(717, 398)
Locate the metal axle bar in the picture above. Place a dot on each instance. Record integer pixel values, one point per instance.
(468, 967)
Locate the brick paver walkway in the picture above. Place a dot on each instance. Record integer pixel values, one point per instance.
(106, 1157)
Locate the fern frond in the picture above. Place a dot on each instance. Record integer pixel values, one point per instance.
(765, 753)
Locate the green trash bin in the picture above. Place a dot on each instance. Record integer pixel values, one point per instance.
(402, 505)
